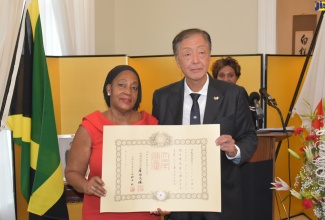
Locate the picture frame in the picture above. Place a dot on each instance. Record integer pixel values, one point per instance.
(302, 42)
(303, 27)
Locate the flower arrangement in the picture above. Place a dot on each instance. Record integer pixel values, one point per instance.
(311, 177)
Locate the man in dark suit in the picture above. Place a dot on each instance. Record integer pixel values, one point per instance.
(219, 103)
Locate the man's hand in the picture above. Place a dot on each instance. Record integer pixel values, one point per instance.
(227, 144)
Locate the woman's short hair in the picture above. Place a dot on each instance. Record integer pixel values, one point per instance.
(225, 61)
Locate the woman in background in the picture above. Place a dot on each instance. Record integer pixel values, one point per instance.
(122, 93)
(226, 69)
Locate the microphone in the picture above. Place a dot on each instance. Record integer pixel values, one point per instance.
(254, 98)
(270, 101)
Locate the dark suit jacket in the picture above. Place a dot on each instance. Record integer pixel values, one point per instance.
(231, 111)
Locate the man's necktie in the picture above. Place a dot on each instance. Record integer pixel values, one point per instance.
(195, 110)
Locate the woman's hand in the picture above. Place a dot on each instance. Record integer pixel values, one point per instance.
(95, 186)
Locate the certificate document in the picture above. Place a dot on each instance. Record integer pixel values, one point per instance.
(175, 168)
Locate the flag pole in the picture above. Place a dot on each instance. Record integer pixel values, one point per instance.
(311, 48)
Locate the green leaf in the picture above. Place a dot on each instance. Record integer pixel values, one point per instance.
(294, 154)
(285, 197)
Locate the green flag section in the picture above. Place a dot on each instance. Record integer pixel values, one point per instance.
(33, 124)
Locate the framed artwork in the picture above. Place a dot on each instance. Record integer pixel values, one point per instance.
(303, 28)
(302, 42)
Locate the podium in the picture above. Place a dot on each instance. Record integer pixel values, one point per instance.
(257, 174)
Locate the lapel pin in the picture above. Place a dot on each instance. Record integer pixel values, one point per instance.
(216, 98)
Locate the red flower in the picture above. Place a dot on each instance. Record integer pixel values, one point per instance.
(298, 131)
(311, 137)
(302, 148)
(307, 203)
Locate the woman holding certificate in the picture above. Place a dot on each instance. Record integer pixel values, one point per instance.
(122, 93)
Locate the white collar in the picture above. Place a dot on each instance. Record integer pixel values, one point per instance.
(203, 91)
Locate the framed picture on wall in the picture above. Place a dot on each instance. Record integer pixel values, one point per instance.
(303, 28)
(302, 42)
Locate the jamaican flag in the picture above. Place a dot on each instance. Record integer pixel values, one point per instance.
(33, 124)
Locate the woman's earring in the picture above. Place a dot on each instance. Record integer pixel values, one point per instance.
(108, 94)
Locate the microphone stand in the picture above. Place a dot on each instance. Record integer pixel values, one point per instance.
(255, 117)
(273, 104)
(257, 123)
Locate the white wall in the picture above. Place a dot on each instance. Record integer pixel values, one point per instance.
(104, 27)
(146, 27)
